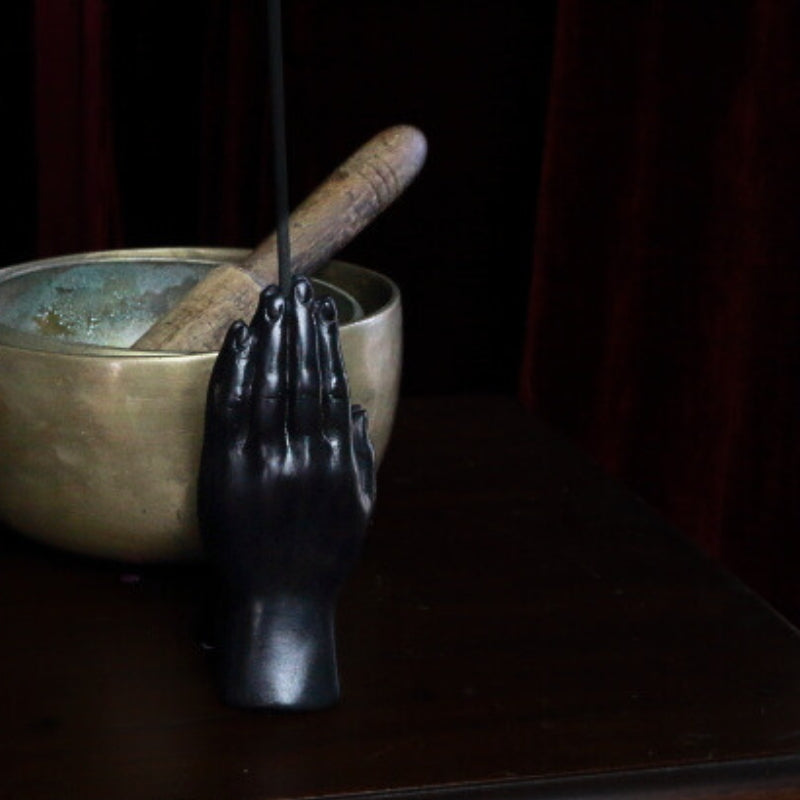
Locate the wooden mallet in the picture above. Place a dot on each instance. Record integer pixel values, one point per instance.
(330, 217)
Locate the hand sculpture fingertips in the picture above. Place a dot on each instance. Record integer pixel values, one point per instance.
(335, 394)
(268, 393)
(226, 426)
(229, 386)
(304, 362)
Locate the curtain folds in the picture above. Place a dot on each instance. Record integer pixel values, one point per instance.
(663, 318)
(78, 203)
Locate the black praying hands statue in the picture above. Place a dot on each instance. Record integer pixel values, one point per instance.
(286, 488)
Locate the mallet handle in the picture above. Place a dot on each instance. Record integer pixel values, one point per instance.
(330, 217)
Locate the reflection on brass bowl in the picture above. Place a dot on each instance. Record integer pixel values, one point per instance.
(99, 444)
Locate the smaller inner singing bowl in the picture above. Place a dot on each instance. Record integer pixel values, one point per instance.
(99, 444)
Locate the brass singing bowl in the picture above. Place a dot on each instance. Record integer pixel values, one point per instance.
(99, 444)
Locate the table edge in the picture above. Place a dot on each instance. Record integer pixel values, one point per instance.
(740, 779)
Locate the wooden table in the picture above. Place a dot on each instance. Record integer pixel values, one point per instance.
(519, 627)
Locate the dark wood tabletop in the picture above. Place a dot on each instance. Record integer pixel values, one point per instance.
(520, 626)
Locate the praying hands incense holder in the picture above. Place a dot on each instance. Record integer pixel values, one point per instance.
(287, 478)
(286, 488)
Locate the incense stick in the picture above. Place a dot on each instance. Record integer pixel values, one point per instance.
(279, 144)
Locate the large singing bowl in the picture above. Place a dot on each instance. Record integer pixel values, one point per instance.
(100, 445)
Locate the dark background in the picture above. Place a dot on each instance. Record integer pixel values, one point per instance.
(607, 221)
(191, 160)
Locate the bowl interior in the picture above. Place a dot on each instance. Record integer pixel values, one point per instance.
(109, 303)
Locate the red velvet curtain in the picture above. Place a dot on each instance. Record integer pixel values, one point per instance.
(78, 206)
(664, 311)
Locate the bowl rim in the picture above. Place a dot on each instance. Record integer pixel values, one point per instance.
(19, 340)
